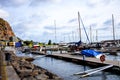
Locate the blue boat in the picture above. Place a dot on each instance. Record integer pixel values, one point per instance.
(93, 53)
(18, 44)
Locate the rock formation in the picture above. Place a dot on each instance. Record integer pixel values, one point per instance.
(5, 30)
(28, 71)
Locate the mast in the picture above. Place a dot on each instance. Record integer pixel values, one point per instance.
(55, 30)
(90, 34)
(73, 35)
(80, 19)
(113, 28)
(69, 38)
(96, 36)
(84, 29)
(79, 25)
(64, 38)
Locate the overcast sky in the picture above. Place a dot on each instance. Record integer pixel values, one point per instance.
(36, 19)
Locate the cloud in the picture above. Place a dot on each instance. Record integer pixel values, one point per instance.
(34, 19)
(72, 20)
(43, 2)
(93, 24)
(49, 27)
(4, 14)
(12, 2)
(37, 2)
(28, 30)
(94, 3)
(103, 28)
(56, 1)
(108, 22)
(118, 25)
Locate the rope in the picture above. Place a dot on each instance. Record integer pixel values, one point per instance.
(84, 29)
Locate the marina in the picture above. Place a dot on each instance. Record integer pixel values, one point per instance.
(69, 66)
(66, 69)
(59, 40)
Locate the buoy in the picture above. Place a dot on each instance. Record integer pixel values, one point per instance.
(102, 58)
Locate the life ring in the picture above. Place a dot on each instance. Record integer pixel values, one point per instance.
(102, 58)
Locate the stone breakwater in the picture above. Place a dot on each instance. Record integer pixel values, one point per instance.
(28, 71)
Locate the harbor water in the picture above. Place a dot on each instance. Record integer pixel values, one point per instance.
(66, 69)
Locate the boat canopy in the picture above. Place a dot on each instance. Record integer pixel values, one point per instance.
(90, 53)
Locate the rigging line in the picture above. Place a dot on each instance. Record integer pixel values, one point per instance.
(84, 29)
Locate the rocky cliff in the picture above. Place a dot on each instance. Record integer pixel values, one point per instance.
(5, 30)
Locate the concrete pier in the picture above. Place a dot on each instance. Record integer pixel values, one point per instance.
(13, 75)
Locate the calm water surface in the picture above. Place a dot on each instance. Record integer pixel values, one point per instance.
(66, 70)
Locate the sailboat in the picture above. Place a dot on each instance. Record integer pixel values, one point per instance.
(111, 45)
(90, 52)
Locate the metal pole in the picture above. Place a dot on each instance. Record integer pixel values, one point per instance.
(84, 29)
(83, 57)
(90, 34)
(69, 38)
(79, 25)
(73, 35)
(55, 31)
(96, 36)
(113, 27)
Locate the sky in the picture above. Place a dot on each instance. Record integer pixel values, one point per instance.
(57, 20)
